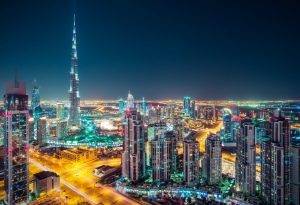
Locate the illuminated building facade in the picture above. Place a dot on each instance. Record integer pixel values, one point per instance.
(245, 172)
(134, 155)
(31, 129)
(16, 144)
(154, 115)
(61, 129)
(276, 163)
(191, 161)
(186, 105)
(74, 117)
(164, 153)
(121, 105)
(151, 137)
(35, 106)
(229, 131)
(130, 101)
(144, 107)
(60, 110)
(212, 162)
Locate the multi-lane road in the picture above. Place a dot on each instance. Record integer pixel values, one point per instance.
(79, 178)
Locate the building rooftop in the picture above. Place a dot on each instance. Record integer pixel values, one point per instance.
(45, 174)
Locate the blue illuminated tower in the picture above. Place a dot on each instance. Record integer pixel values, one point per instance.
(144, 106)
(74, 118)
(35, 106)
(121, 105)
(186, 105)
(16, 146)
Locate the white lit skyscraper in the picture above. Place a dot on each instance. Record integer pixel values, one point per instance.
(130, 101)
(163, 154)
(16, 144)
(133, 156)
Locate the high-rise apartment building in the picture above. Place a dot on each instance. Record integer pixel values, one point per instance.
(16, 144)
(61, 129)
(186, 105)
(164, 153)
(276, 162)
(245, 168)
(191, 161)
(212, 162)
(133, 156)
(74, 117)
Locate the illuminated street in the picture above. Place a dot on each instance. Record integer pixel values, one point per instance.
(79, 178)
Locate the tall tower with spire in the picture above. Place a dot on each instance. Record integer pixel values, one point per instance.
(74, 117)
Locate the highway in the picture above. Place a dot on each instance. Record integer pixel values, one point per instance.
(78, 177)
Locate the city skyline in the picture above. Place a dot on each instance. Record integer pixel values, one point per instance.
(181, 49)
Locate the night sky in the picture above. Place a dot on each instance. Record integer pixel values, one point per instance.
(231, 50)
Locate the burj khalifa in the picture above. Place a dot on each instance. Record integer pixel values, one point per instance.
(74, 116)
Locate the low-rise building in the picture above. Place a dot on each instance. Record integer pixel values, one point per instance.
(79, 154)
(46, 182)
(104, 170)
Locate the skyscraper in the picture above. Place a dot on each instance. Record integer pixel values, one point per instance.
(74, 118)
(164, 153)
(16, 166)
(42, 130)
(192, 113)
(186, 105)
(144, 107)
(276, 163)
(35, 106)
(133, 156)
(121, 106)
(191, 161)
(130, 101)
(35, 101)
(245, 173)
(212, 162)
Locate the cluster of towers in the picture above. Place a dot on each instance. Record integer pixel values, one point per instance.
(269, 143)
(150, 148)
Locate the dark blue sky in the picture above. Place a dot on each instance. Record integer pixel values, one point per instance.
(230, 50)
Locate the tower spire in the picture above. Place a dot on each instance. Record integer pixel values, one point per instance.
(74, 117)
